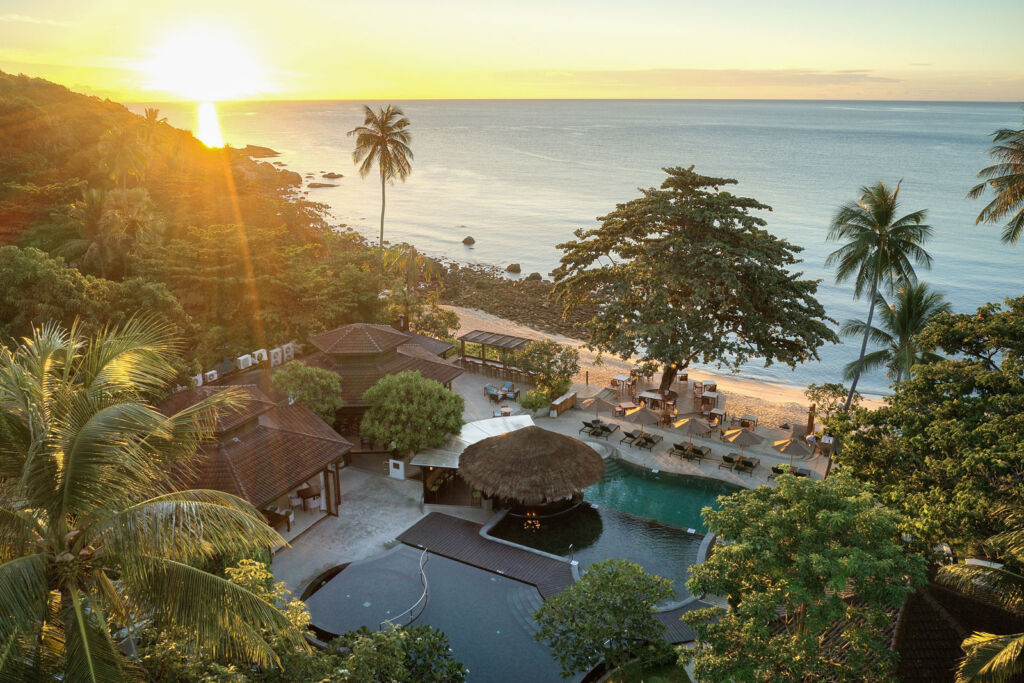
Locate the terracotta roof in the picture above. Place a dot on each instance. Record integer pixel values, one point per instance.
(359, 339)
(254, 403)
(356, 379)
(434, 346)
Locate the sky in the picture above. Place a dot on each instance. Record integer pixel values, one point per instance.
(442, 49)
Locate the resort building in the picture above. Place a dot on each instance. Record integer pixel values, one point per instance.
(281, 458)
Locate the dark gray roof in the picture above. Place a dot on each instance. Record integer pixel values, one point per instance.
(504, 341)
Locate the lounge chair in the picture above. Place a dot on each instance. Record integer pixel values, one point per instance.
(697, 453)
(746, 466)
(587, 427)
(508, 390)
(604, 430)
(728, 461)
(630, 437)
(777, 470)
(648, 441)
(679, 449)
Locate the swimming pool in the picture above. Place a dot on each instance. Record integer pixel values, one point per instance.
(631, 514)
(671, 498)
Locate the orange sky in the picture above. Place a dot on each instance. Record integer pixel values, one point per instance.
(317, 49)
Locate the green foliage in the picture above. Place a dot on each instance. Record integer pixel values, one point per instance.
(680, 275)
(434, 321)
(948, 448)
(94, 536)
(411, 412)
(534, 400)
(417, 654)
(877, 249)
(608, 615)
(823, 551)
(552, 366)
(316, 388)
(828, 396)
(902, 322)
(989, 656)
(1006, 180)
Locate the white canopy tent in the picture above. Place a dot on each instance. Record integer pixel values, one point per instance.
(447, 455)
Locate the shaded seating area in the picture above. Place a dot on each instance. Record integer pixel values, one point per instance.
(505, 343)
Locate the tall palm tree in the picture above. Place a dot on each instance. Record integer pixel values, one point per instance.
(878, 249)
(122, 154)
(901, 322)
(383, 139)
(110, 226)
(95, 539)
(1006, 178)
(991, 657)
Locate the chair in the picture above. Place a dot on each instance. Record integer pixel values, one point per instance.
(649, 441)
(746, 466)
(679, 449)
(777, 470)
(728, 461)
(587, 427)
(630, 437)
(605, 430)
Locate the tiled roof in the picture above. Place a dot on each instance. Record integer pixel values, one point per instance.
(434, 346)
(253, 403)
(359, 339)
(356, 379)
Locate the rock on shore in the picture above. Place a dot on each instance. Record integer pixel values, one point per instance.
(322, 185)
(468, 241)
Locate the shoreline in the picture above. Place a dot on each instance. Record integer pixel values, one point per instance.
(773, 403)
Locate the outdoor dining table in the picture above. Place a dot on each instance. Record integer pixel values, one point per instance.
(625, 407)
(718, 413)
(710, 386)
(710, 396)
(620, 380)
(748, 421)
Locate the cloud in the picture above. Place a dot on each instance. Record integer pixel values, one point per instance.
(25, 19)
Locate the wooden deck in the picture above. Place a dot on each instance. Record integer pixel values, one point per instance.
(459, 539)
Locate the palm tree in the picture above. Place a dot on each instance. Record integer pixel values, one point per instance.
(122, 154)
(992, 657)
(1006, 178)
(878, 249)
(901, 322)
(383, 139)
(406, 263)
(110, 226)
(95, 539)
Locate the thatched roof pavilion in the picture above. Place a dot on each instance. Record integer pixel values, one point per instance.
(531, 465)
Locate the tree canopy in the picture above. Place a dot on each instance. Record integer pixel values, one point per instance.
(825, 553)
(316, 388)
(607, 616)
(683, 273)
(948, 446)
(411, 412)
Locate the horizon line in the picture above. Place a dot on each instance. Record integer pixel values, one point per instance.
(568, 99)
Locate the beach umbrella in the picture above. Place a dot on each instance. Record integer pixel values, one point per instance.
(597, 404)
(643, 416)
(742, 437)
(692, 426)
(792, 447)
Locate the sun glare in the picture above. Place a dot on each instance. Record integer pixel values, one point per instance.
(209, 126)
(204, 64)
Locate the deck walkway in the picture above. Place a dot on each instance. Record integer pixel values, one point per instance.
(459, 539)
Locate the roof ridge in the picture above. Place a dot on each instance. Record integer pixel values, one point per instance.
(944, 613)
(281, 428)
(221, 452)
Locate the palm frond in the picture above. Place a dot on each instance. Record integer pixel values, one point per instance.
(991, 658)
(997, 586)
(91, 654)
(23, 593)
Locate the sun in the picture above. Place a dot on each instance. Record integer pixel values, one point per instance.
(204, 64)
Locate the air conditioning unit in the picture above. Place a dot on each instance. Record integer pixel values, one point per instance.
(210, 376)
(260, 355)
(244, 362)
(289, 351)
(276, 357)
(197, 379)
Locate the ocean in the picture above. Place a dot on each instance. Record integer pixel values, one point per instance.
(520, 176)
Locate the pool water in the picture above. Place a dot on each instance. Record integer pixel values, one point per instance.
(671, 498)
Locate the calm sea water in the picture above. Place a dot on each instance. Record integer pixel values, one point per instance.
(520, 176)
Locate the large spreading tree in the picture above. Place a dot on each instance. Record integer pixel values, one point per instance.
(947, 449)
(410, 412)
(801, 560)
(686, 273)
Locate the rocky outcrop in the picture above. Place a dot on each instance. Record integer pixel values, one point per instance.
(513, 268)
(534, 276)
(321, 185)
(332, 175)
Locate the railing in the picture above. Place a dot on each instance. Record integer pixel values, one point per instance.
(417, 606)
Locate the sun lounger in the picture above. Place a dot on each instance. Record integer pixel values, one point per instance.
(604, 430)
(777, 470)
(648, 441)
(679, 449)
(728, 461)
(630, 437)
(747, 465)
(697, 453)
(587, 427)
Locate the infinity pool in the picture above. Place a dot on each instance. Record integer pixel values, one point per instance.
(631, 514)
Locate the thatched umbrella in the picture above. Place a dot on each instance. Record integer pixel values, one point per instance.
(643, 416)
(792, 447)
(742, 437)
(530, 465)
(597, 404)
(692, 426)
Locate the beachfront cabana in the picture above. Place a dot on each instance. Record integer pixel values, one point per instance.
(505, 342)
(531, 467)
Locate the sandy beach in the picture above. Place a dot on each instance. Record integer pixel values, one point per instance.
(774, 404)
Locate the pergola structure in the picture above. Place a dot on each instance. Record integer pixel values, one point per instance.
(495, 339)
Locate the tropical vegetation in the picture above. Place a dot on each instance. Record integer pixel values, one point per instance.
(408, 412)
(902, 321)
(679, 275)
(316, 388)
(878, 250)
(1006, 180)
(607, 616)
(96, 534)
(383, 140)
(800, 560)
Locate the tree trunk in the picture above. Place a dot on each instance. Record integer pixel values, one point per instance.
(382, 184)
(863, 345)
(668, 375)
